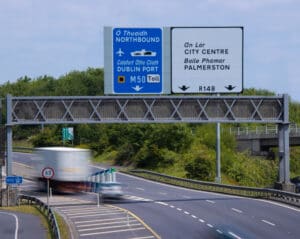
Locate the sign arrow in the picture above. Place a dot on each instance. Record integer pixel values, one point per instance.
(230, 87)
(184, 87)
(137, 88)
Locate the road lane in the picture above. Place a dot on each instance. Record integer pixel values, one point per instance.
(247, 220)
(175, 212)
(17, 225)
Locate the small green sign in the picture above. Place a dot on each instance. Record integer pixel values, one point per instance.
(68, 133)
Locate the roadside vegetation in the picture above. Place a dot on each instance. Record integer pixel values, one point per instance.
(183, 150)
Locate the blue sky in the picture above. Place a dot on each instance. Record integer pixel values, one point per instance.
(54, 37)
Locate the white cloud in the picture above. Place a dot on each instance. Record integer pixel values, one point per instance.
(39, 34)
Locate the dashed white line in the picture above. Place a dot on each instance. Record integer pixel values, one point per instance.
(171, 206)
(187, 213)
(209, 225)
(141, 189)
(269, 223)
(161, 193)
(179, 209)
(219, 231)
(236, 210)
(193, 216)
(187, 197)
(234, 235)
(201, 220)
(162, 203)
(210, 201)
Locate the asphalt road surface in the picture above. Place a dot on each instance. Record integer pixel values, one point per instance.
(15, 225)
(174, 212)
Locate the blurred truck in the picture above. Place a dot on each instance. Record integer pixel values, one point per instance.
(70, 167)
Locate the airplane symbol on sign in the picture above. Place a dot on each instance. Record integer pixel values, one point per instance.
(120, 52)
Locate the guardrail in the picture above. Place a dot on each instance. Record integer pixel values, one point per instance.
(47, 211)
(264, 193)
(294, 129)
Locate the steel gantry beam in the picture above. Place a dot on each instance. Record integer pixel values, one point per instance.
(150, 109)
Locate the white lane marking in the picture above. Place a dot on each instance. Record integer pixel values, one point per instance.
(161, 193)
(209, 225)
(236, 210)
(277, 204)
(208, 193)
(108, 232)
(107, 227)
(193, 216)
(234, 235)
(179, 209)
(269, 223)
(131, 197)
(125, 221)
(162, 203)
(147, 237)
(171, 206)
(219, 231)
(91, 213)
(141, 189)
(187, 213)
(210, 201)
(101, 220)
(17, 222)
(201, 220)
(187, 197)
(99, 214)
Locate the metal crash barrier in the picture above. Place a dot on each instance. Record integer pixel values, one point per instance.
(264, 193)
(47, 211)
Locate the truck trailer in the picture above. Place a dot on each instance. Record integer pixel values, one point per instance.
(69, 165)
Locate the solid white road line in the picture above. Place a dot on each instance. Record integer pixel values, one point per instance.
(147, 237)
(17, 222)
(102, 220)
(109, 232)
(108, 227)
(106, 223)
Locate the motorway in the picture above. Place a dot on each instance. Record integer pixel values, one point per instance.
(173, 212)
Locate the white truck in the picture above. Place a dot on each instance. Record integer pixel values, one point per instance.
(69, 165)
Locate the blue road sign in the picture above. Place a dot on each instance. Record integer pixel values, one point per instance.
(14, 180)
(137, 60)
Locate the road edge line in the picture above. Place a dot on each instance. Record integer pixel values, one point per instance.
(138, 218)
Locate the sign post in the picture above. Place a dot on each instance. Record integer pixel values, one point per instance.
(48, 173)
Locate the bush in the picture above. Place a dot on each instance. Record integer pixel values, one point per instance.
(200, 168)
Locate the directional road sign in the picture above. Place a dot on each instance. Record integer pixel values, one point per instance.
(137, 60)
(207, 59)
(14, 180)
(68, 133)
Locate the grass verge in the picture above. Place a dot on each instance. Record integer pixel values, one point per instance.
(31, 209)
